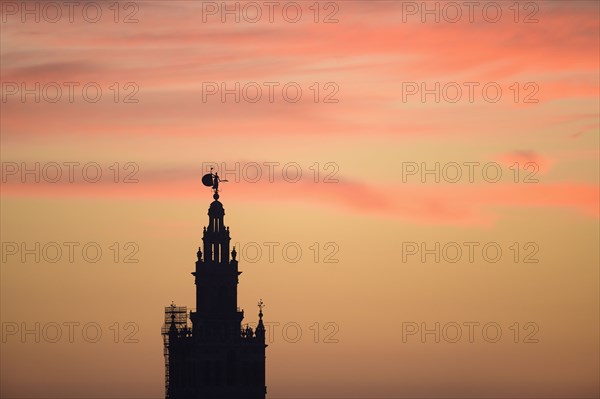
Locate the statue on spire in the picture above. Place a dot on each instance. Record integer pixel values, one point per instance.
(212, 180)
(261, 305)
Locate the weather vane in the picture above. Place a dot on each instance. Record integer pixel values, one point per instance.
(212, 180)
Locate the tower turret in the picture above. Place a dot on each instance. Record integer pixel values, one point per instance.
(216, 278)
(260, 328)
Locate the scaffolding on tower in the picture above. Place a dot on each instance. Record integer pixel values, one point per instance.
(176, 316)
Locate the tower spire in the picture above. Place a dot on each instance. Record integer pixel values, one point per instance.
(260, 328)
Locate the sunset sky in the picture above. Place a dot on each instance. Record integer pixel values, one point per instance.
(379, 105)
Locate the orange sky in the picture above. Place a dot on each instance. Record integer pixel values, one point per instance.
(363, 130)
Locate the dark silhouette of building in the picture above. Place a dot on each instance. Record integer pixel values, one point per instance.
(217, 358)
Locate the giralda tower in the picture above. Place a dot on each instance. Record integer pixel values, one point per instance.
(216, 358)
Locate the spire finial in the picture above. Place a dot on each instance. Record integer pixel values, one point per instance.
(233, 253)
(260, 328)
(261, 305)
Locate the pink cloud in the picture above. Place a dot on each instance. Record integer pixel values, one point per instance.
(470, 204)
(369, 61)
(526, 160)
(171, 52)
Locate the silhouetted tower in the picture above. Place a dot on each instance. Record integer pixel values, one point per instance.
(217, 358)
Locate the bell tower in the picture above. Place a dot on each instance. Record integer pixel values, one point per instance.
(216, 279)
(215, 357)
